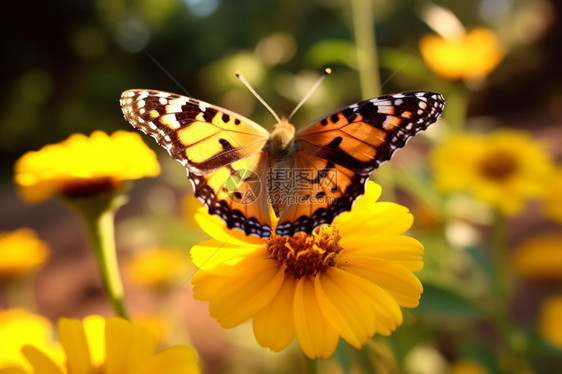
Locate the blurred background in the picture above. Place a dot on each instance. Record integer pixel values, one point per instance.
(65, 63)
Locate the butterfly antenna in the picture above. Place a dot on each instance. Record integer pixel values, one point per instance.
(241, 77)
(326, 72)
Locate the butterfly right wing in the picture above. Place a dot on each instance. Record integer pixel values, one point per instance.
(222, 151)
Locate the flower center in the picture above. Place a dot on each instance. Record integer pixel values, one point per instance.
(306, 254)
(498, 165)
(87, 187)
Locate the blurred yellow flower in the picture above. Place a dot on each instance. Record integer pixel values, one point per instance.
(466, 366)
(158, 267)
(503, 168)
(188, 207)
(21, 252)
(540, 257)
(550, 315)
(18, 328)
(471, 55)
(84, 165)
(552, 202)
(347, 279)
(115, 345)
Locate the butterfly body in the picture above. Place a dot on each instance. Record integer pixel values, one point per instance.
(282, 140)
(307, 177)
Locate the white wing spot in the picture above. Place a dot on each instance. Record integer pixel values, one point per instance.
(387, 122)
(173, 122)
(173, 108)
(163, 101)
(398, 102)
(141, 103)
(422, 105)
(152, 125)
(203, 106)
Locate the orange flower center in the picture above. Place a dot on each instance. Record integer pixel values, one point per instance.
(498, 165)
(306, 254)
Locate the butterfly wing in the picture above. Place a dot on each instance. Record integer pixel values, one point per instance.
(221, 150)
(345, 146)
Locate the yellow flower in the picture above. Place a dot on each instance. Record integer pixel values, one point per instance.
(84, 165)
(18, 328)
(540, 257)
(115, 345)
(347, 279)
(552, 202)
(549, 325)
(471, 55)
(158, 266)
(21, 252)
(503, 168)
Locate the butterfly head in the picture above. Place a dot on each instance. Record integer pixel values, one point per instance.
(282, 137)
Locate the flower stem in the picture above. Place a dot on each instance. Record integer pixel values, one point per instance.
(499, 261)
(366, 46)
(98, 213)
(457, 105)
(368, 69)
(514, 349)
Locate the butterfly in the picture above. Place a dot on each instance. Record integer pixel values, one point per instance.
(242, 172)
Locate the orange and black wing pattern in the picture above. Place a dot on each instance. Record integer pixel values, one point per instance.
(222, 151)
(344, 147)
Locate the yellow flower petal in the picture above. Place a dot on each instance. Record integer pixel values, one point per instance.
(42, 364)
(173, 360)
(94, 328)
(379, 218)
(244, 295)
(552, 201)
(404, 287)
(216, 228)
(540, 257)
(277, 336)
(345, 310)
(12, 370)
(211, 253)
(18, 328)
(127, 345)
(315, 335)
(21, 252)
(402, 250)
(471, 57)
(112, 346)
(84, 164)
(504, 168)
(550, 315)
(73, 340)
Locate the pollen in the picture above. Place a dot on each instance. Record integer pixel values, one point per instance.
(306, 254)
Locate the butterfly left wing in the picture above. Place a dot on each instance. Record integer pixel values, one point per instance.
(221, 150)
(344, 147)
